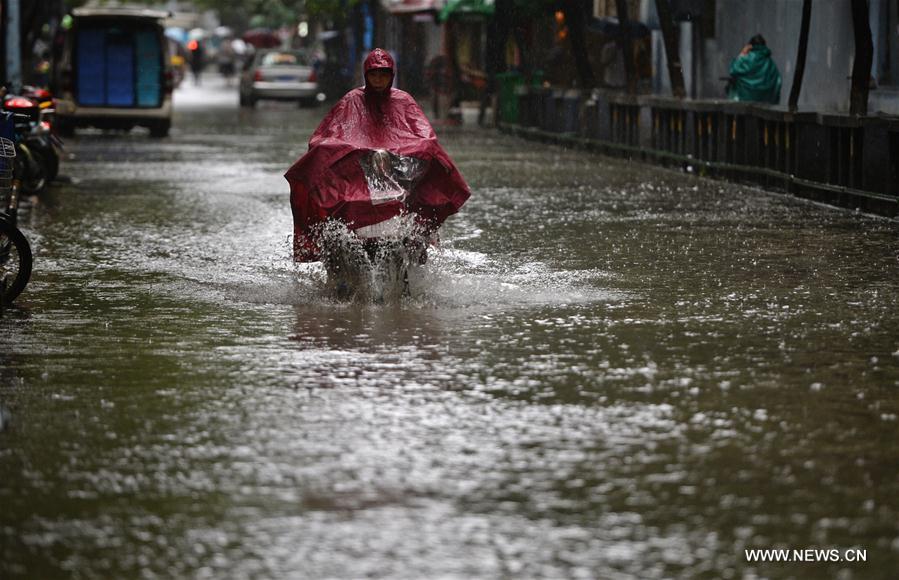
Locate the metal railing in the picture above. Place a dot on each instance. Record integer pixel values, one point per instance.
(839, 159)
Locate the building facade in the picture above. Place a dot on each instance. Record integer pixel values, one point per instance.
(830, 53)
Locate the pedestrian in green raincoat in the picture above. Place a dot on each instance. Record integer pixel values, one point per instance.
(753, 74)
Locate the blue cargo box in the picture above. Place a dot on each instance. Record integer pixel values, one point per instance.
(120, 73)
(91, 60)
(149, 69)
(119, 68)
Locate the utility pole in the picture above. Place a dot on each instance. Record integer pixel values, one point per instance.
(576, 21)
(627, 46)
(800, 57)
(864, 55)
(13, 47)
(672, 53)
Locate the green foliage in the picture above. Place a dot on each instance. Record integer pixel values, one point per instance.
(244, 13)
(534, 8)
(333, 9)
(275, 13)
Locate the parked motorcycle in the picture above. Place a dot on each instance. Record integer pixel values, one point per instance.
(35, 141)
(44, 133)
(15, 251)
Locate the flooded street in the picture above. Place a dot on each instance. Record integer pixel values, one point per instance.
(606, 370)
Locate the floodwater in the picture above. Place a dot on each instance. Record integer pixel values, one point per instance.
(606, 370)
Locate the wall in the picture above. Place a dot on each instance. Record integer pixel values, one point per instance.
(884, 97)
(831, 47)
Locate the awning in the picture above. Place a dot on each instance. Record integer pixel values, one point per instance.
(467, 7)
(412, 6)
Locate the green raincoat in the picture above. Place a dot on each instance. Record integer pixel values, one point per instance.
(754, 77)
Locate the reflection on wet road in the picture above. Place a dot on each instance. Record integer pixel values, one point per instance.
(607, 370)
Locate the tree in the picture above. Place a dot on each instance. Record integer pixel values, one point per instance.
(511, 18)
(37, 20)
(672, 53)
(627, 46)
(800, 57)
(864, 55)
(576, 16)
(275, 13)
(238, 13)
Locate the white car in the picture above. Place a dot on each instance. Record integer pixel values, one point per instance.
(279, 75)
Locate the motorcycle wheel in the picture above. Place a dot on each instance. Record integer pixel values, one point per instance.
(52, 158)
(390, 261)
(65, 129)
(160, 129)
(46, 155)
(35, 178)
(346, 263)
(15, 261)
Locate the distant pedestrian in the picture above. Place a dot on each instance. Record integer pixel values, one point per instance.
(754, 75)
(226, 60)
(197, 59)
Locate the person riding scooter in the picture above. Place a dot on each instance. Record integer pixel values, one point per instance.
(373, 159)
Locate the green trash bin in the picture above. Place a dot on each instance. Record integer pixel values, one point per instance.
(508, 97)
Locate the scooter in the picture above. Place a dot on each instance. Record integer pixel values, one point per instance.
(374, 261)
(43, 135)
(35, 141)
(15, 251)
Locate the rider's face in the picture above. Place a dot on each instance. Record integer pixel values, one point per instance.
(379, 78)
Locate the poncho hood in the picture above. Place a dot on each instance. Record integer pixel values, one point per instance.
(761, 51)
(379, 58)
(328, 182)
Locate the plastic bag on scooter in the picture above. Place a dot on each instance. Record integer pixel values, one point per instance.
(391, 177)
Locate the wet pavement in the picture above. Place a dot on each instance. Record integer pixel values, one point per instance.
(606, 370)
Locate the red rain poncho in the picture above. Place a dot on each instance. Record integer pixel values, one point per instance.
(328, 181)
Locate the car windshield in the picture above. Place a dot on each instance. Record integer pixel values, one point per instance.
(283, 59)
